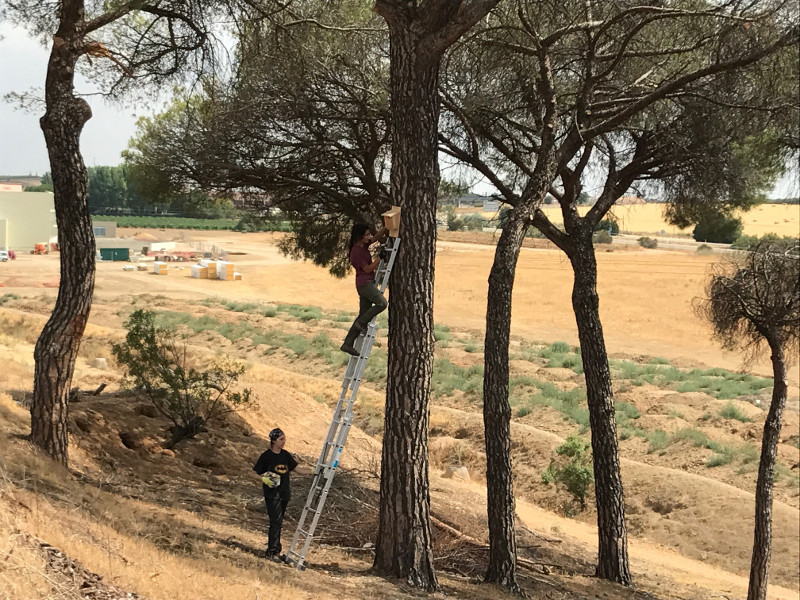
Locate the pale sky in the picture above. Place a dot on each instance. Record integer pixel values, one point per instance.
(23, 65)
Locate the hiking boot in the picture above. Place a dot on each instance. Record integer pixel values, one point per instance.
(349, 349)
(276, 557)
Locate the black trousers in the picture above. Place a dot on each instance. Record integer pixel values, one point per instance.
(276, 507)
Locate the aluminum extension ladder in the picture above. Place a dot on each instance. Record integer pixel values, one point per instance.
(340, 426)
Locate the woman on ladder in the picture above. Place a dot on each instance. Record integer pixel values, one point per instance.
(371, 300)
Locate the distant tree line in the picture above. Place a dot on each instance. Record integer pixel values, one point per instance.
(118, 191)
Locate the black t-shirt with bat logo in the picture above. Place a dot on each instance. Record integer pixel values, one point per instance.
(282, 463)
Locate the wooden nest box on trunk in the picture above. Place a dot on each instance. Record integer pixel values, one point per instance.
(391, 220)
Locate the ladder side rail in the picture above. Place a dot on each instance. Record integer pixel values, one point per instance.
(315, 519)
(333, 428)
(310, 501)
(390, 264)
(339, 429)
(385, 266)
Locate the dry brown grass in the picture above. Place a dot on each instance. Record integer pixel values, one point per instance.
(156, 524)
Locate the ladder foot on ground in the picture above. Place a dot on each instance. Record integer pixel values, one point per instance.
(339, 428)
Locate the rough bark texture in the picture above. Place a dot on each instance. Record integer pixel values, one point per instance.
(612, 560)
(57, 346)
(762, 542)
(404, 546)
(497, 410)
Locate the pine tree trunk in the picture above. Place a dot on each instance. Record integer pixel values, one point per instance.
(58, 344)
(502, 567)
(612, 560)
(762, 542)
(404, 546)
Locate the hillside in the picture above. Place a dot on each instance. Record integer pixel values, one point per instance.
(188, 522)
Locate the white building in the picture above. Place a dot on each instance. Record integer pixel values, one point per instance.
(26, 219)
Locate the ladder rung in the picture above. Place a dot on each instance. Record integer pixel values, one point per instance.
(341, 423)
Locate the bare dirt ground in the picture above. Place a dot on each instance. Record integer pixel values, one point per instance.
(690, 526)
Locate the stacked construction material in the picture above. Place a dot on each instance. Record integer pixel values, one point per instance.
(199, 272)
(237, 276)
(211, 265)
(160, 268)
(225, 270)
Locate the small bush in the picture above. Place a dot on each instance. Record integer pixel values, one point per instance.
(717, 228)
(608, 224)
(473, 223)
(157, 362)
(441, 333)
(731, 412)
(648, 242)
(559, 347)
(602, 237)
(303, 313)
(658, 440)
(572, 468)
(6, 297)
(704, 249)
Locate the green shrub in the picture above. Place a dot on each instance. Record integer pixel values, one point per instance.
(602, 237)
(608, 224)
(158, 366)
(441, 333)
(704, 249)
(559, 347)
(658, 440)
(303, 313)
(572, 468)
(730, 411)
(6, 297)
(748, 242)
(473, 223)
(448, 378)
(648, 242)
(717, 228)
(454, 223)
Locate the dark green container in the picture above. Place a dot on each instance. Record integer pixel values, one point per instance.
(115, 253)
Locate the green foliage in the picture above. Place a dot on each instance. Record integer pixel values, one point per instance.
(647, 242)
(441, 333)
(704, 249)
(608, 224)
(718, 383)
(719, 228)
(6, 297)
(454, 223)
(658, 440)
(45, 187)
(450, 191)
(303, 313)
(602, 237)
(730, 411)
(473, 223)
(169, 222)
(572, 468)
(447, 378)
(749, 242)
(159, 366)
(526, 391)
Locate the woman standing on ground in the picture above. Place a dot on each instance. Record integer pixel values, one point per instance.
(371, 300)
(273, 468)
